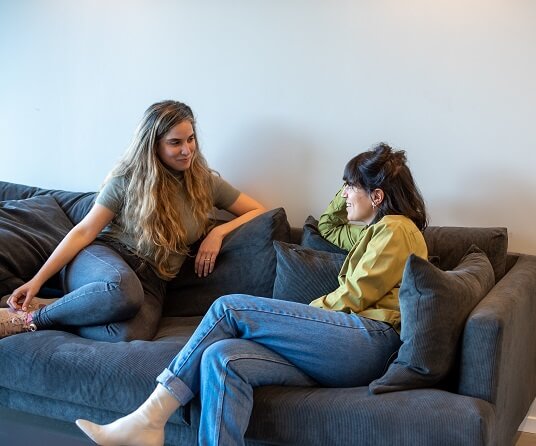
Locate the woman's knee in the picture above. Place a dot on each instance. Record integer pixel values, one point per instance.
(127, 293)
(230, 302)
(100, 269)
(219, 354)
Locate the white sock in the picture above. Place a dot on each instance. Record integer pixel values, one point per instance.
(143, 427)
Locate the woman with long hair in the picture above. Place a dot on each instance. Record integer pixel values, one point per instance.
(342, 339)
(115, 263)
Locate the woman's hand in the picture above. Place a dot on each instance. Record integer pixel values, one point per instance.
(21, 298)
(244, 208)
(208, 251)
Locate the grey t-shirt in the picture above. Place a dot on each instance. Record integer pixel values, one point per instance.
(112, 196)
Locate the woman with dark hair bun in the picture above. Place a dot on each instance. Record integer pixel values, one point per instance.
(384, 169)
(342, 339)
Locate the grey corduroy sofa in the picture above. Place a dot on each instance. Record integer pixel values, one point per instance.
(483, 400)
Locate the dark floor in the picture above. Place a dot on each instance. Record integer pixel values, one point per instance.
(38, 430)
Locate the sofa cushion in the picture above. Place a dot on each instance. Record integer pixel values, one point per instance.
(283, 415)
(246, 264)
(311, 238)
(75, 204)
(449, 244)
(30, 229)
(434, 305)
(113, 376)
(304, 274)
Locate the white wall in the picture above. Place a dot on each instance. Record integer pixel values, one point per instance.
(285, 93)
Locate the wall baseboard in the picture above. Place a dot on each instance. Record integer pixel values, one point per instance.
(529, 423)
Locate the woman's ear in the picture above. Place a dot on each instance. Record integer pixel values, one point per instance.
(377, 197)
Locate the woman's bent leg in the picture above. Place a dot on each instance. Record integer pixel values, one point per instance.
(100, 288)
(230, 369)
(335, 349)
(144, 324)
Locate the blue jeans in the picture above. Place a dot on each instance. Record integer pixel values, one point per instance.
(110, 295)
(246, 341)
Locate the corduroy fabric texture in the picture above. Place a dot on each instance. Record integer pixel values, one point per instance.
(246, 264)
(449, 245)
(349, 417)
(115, 377)
(304, 274)
(30, 229)
(434, 305)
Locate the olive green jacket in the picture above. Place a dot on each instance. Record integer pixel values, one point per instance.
(370, 277)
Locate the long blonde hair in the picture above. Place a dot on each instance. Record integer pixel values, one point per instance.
(150, 210)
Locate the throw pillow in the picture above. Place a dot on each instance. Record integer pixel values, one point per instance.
(29, 231)
(246, 264)
(312, 239)
(75, 204)
(304, 274)
(434, 305)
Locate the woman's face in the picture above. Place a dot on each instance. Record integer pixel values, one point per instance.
(177, 147)
(358, 204)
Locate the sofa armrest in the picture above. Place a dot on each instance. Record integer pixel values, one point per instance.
(498, 357)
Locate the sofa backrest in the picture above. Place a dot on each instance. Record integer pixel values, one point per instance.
(446, 245)
(449, 244)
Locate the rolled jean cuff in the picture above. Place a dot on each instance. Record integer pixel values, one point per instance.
(41, 319)
(175, 386)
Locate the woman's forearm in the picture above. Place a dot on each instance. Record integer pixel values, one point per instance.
(78, 238)
(68, 248)
(334, 226)
(225, 228)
